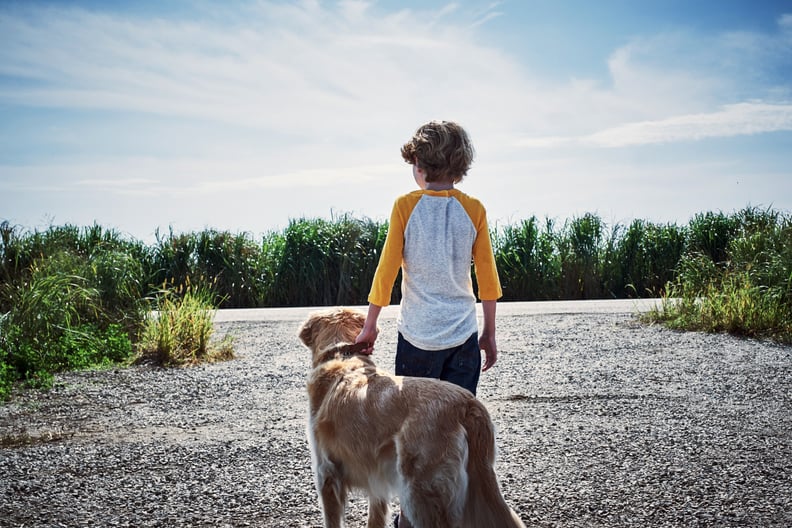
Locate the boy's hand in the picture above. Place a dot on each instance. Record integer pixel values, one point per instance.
(487, 344)
(367, 336)
(370, 331)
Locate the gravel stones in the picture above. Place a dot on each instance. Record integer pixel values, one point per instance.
(601, 422)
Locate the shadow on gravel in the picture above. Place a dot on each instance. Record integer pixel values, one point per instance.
(581, 397)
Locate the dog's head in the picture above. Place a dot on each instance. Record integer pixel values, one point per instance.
(328, 328)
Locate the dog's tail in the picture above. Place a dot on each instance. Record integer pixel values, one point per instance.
(485, 506)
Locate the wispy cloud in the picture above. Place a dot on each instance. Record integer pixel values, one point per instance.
(295, 68)
(320, 71)
(679, 87)
(184, 177)
(270, 98)
(731, 120)
(490, 12)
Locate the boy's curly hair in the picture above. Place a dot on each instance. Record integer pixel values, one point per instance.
(442, 149)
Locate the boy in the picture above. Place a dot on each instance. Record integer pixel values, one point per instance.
(433, 235)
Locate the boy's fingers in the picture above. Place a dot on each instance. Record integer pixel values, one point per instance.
(367, 344)
(489, 360)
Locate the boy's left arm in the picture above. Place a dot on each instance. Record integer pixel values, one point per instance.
(487, 339)
(489, 290)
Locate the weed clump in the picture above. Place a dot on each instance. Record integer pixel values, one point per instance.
(180, 332)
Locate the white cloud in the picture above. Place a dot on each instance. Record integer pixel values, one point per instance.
(321, 71)
(186, 177)
(116, 183)
(297, 69)
(785, 23)
(731, 120)
(277, 97)
(326, 177)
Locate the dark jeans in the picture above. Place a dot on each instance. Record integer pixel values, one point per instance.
(460, 365)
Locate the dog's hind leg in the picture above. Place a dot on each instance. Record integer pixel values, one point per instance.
(424, 510)
(378, 513)
(333, 494)
(435, 481)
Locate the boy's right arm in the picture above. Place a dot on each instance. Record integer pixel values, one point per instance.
(384, 276)
(390, 260)
(369, 332)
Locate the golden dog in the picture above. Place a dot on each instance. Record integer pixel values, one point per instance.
(428, 442)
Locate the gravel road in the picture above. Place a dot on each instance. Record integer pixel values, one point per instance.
(602, 421)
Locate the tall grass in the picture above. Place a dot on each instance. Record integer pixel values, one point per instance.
(585, 258)
(58, 321)
(321, 262)
(736, 276)
(646, 257)
(527, 260)
(581, 251)
(71, 296)
(230, 264)
(316, 261)
(710, 234)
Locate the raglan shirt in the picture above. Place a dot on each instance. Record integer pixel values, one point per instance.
(432, 237)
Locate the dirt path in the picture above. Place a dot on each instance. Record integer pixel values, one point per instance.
(602, 421)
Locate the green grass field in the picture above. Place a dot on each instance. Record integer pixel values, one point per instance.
(75, 297)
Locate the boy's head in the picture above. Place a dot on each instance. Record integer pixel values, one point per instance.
(442, 149)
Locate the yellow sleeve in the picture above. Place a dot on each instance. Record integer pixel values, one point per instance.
(489, 288)
(392, 252)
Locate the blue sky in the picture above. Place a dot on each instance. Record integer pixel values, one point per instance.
(243, 115)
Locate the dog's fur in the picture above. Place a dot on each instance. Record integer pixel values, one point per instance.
(428, 442)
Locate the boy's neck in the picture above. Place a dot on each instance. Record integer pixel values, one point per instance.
(439, 186)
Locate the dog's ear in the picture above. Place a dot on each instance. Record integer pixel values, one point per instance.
(306, 333)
